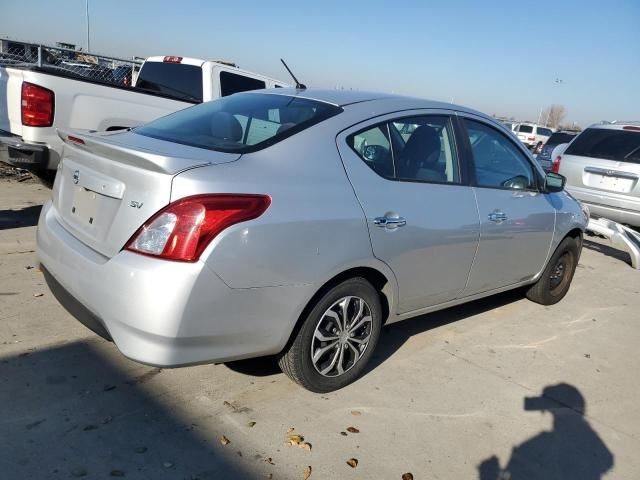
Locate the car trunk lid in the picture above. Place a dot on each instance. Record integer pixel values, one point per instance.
(108, 185)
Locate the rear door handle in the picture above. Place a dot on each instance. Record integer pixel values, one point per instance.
(390, 222)
(497, 216)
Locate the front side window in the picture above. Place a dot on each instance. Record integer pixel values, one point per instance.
(498, 163)
(418, 148)
(242, 123)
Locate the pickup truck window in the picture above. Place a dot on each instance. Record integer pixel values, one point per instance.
(231, 83)
(241, 123)
(177, 80)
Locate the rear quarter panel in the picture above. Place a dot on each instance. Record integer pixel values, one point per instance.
(314, 228)
(10, 93)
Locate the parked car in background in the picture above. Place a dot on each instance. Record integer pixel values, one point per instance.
(602, 167)
(556, 138)
(55, 92)
(533, 135)
(511, 125)
(236, 228)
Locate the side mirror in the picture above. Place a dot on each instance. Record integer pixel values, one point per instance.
(554, 182)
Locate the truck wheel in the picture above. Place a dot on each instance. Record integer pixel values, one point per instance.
(556, 278)
(336, 339)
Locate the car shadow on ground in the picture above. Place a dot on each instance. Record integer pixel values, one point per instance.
(68, 411)
(607, 250)
(394, 336)
(572, 450)
(25, 217)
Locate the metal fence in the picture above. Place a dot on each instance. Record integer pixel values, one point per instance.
(68, 62)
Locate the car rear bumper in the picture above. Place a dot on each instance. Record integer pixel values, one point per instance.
(21, 154)
(622, 210)
(164, 313)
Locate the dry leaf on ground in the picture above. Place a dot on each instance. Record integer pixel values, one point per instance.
(224, 440)
(307, 472)
(352, 462)
(356, 412)
(353, 430)
(407, 476)
(295, 439)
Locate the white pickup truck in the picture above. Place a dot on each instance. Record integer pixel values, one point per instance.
(37, 98)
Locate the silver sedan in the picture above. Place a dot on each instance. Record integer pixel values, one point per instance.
(297, 223)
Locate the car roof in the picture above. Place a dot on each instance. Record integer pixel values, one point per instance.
(616, 125)
(342, 98)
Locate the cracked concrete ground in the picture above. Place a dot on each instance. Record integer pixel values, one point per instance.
(445, 393)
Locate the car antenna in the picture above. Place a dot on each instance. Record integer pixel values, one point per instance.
(299, 86)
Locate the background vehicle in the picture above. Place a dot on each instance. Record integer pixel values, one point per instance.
(556, 138)
(236, 228)
(511, 125)
(532, 135)
(46, 88)
(602, 166)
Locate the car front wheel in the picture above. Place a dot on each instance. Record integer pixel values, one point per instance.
(556, 278)
(336, 339)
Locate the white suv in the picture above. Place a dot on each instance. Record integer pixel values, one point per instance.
(532, 135)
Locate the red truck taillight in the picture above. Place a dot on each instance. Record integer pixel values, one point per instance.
(37, 105)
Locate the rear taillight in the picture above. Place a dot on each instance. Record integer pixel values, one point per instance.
(531, 139)
(172, 59)
(182, 230)
(555, 164)
(37, 105)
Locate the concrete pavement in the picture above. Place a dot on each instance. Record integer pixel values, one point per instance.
(445, 393)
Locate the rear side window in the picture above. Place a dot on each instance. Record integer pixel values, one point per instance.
(241, 123)
(525, 128)
(418, 149)
(183, 82)
(231, 83)
(618, 145)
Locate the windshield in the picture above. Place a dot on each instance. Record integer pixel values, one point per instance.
(239, 123)
(619, 145)
(183, 82)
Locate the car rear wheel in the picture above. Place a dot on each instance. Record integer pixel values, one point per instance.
(555, 281)
(336, 339)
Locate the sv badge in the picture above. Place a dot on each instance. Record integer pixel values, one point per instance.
(135, 204)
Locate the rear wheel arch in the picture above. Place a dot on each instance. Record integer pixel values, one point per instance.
(375, 277)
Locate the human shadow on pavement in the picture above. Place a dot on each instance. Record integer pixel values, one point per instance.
(25, 217)
(70, 411)
(571, 451)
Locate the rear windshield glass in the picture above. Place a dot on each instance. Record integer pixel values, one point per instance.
(559, 137)
(241, 123)
(525, 128)
(618, 145)
(183, 82)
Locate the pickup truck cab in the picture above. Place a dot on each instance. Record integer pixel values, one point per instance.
(37, 97)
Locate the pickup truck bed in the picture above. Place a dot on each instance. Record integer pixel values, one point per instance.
(79, 103)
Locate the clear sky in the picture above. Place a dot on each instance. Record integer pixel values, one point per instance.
(501, 57)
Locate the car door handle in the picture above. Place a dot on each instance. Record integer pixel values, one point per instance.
(390, 222)
(497, 216)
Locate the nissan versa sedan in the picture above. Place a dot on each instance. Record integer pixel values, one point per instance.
(297, 223)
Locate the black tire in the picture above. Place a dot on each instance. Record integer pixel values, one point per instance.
(556, 278)
(296, 360)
